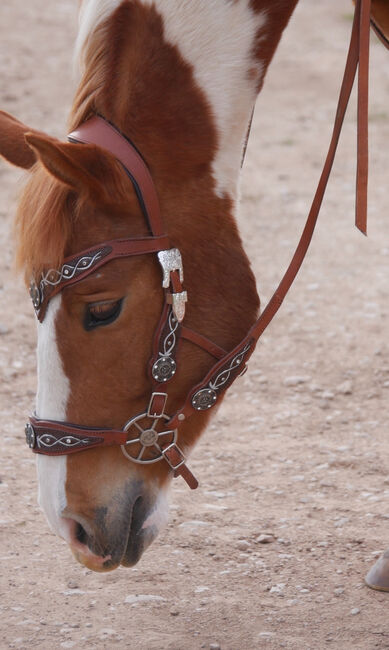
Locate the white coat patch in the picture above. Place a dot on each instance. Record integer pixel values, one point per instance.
(217, 39)
(51, 401)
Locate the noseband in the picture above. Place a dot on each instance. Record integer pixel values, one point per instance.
(152, 435)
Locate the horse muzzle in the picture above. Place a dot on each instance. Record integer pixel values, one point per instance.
(116, 534)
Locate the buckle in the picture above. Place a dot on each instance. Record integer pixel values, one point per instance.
(156, 407)
(176, 451)
(178, 300)
(170, 260)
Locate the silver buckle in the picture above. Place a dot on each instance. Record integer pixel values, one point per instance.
(162, 412)
(178, 304)
(182, 462)
(170, 260)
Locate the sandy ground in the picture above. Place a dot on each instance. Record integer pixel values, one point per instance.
(310, 417)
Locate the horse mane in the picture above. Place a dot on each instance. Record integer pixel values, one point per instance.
(91, 57)
(47, 209)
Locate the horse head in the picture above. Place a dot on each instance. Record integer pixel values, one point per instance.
(162, 87)
(96, 340)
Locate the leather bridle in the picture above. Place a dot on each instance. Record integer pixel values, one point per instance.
(152, 435)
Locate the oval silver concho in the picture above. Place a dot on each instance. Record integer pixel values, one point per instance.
(30, 435)
(204, 399)
(35, 295)
(164, 369)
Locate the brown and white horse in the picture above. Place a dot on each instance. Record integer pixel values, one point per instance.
(179, 79)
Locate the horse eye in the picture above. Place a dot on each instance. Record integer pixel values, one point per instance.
(102, 313)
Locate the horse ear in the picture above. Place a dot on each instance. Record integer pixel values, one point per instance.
(79, 166)
(13, 146)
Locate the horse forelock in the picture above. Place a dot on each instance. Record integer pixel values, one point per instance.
(42, 224)
(52, 219)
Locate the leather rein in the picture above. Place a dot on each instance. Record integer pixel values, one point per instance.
(152, 436)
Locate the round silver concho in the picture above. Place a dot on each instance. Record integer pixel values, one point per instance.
(204, 399)
(147, 438)
(164, 369)
(30, 435)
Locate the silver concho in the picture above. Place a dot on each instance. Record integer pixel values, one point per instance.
(35, 295)
(148, 437)
(163, 369)
(30, 435)
(204, 399)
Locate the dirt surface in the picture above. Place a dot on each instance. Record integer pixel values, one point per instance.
(299, 451)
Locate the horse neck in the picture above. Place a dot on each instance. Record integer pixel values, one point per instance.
(179, 78)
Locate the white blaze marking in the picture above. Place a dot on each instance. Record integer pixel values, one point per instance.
(217, 40)
(51, 400)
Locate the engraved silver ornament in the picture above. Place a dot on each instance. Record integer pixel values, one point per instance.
(164, 369)
(30, 435)
(204, 399)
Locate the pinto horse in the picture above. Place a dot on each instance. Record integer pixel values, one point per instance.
(158, 127)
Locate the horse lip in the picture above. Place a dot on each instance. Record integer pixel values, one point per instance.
(83, 554)
(134, 537)
(139, 538)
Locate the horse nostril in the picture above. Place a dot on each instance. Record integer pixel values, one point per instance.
(81, 534)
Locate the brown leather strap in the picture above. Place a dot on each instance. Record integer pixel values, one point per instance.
(78, 267)
(58, 438)
(380, 20)
(363, 114)
(203, 342)
(303, 245)
(98, 131)
(176, 459)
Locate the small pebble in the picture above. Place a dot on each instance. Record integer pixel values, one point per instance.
(214, 646)
(243, 545)
(341, 522)
(295, 380)
(355, 611)
(265, 539)
(346, 388)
